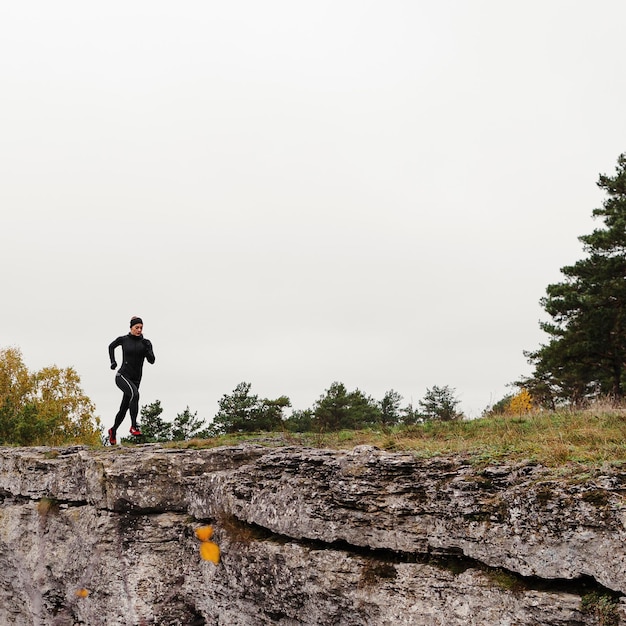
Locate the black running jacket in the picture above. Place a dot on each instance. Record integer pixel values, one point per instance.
(134, 351)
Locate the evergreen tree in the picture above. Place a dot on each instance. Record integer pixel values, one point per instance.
(500, 407)
(411, 416)
(390, 408)
(364, 411)
(439, 403)
(338, 409)
(269, 415)
(154, 428)
(586, 351)
(300, 421)
(236, 411)
(245, 412)
(187, 426)
(332, 408)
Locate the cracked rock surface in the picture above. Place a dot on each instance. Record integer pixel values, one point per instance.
(307, 536)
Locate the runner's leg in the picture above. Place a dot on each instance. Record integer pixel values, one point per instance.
(134, 406)
(130, 400)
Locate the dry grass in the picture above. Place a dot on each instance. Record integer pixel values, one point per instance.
(550, 438)
(593, 436)
(47, 506)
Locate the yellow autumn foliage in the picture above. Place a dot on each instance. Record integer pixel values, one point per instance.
(47, 407)
(520, 404)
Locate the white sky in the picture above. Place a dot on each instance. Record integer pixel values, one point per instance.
(294, 193)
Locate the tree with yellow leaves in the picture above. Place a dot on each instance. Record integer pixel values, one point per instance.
(47, 407)
(520, 403)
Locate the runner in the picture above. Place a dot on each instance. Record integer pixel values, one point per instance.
(135, 348)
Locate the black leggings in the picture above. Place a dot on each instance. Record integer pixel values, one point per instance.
(130, 401)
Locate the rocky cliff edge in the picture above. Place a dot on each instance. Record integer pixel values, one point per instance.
(307, 536)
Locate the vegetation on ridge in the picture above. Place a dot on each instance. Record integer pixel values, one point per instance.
(592, 436)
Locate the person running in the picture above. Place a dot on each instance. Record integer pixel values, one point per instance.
(135, 348)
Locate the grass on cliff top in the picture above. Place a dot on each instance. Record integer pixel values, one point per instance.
(592, 436)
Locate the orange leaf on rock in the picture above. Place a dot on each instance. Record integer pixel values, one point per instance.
(210, 551)
(204, 533)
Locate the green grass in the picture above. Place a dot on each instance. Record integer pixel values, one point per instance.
(551, 438)
(588, 437)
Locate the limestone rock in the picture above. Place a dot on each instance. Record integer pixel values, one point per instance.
(307, 536)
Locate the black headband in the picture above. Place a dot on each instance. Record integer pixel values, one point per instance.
(135, 320)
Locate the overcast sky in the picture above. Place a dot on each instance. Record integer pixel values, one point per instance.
(294, 193)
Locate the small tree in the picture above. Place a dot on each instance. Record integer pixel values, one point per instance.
(187, 426)
(47, 407)
(15, 379)
(299, 421)
(338, 409)
(244, 412)
(439, 403)
(390, 408)
(236, 411)
(498, 408)
(410, 415)
(153, 427)
(520, 403)
(269, 415)
(331, 409)
(364, 411)
(60, 402)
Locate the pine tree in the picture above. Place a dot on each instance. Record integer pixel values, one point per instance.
(390, 408)
(337, 409)
(187, 425)
(585, 355)
(440, 403)
(153, 427)
(243, 412)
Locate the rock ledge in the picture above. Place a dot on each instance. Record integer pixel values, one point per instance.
(307, 536)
